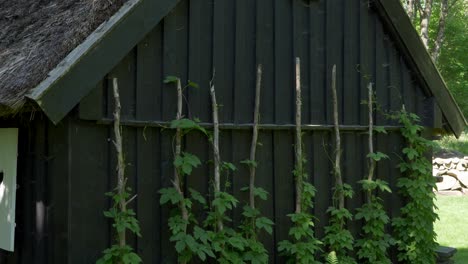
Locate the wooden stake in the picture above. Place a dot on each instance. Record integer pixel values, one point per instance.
(299, 169)
(253, 146)
(177, 182)
(121, 180)
(216, 155)
(337, 168)
(372, 162)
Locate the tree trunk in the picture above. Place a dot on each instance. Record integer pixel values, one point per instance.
(425, 20)
(444, 9)
(410, 6)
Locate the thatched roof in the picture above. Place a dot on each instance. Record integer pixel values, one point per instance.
(35, 35)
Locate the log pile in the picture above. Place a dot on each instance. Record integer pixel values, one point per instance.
(452, 174)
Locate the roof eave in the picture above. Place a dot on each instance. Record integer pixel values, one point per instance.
(399, 24)
(76, 75)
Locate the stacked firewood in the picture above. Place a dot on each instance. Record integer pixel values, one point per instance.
(452, 173)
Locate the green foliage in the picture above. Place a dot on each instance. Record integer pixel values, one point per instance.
(337, 238)
(331, 258)
(453, 60)
(123, 220)
(375, 241)
(254, 223)
(187, 125)
(414, 228)
(118, 254)
(449, 143)
(186, 162)
(377, 156)
(187, 244)
(189, 238)
(373, 245)
(303, 245)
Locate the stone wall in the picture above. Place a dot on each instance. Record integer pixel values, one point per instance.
(452, 174)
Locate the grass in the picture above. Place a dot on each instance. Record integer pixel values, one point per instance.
(452, 143)
(452, 227)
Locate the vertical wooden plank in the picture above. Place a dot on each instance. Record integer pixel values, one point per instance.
(149, 76)
(224, 56)
(131, 156)
(367, 51)
(301, 33)
(125, 71)
(283, 63)
(244, 89)
(200, 58)
(408, 88)
(26, 217)
(148, 171)
(352, 173)
(239, 149)
(283, 185)
(231, 181)
(381, 74)
(317, 25)
(92, 107)
(265, 180)
(196, 143)
(59, 174)
(351, 85)
(334, 44)
(395, 95)
(265, 55)
(322, 178)
(175, 31)
(39, 190)
(89, 172)
(394, 150)
(168, 254)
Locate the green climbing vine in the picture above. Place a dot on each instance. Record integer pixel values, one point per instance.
(373, 245)
(303, 246)
(124, 219)
(338, 238)
(212, 238)
(414, 233)
(190, 239)
(254, 222)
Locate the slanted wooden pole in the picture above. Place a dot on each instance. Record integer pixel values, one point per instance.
(121, 180)
(372, 162)
(177, 182)
(298, 141)
(216, 155)
(253, 146)
(337, 168)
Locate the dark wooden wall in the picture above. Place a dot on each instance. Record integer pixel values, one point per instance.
(69, 167)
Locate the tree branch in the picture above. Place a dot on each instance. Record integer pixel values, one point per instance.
(216, 155)
(253, 146)
(121, 181)
(299, 169)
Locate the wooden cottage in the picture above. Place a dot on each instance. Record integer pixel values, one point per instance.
(56, 61)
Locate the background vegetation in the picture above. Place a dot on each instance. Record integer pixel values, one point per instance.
(443, 26)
